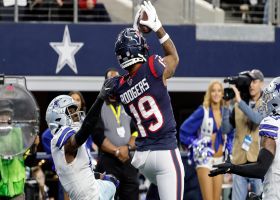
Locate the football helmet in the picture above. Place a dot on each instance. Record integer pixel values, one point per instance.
(130, 48)
(271, 98)
(62, 111)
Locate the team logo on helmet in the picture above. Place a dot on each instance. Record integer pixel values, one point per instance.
(277, 87)
(136, 36)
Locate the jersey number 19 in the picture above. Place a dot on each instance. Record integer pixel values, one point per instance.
(151, 110)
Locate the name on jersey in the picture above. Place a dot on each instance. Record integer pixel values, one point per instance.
(135, 91)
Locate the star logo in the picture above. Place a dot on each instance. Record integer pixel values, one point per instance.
(55, 104)
(66, 51)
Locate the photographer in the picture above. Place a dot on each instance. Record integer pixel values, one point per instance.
(245, 119)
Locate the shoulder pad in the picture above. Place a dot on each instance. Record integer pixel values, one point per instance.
(63, 135)
(156, 65)
(269, 128)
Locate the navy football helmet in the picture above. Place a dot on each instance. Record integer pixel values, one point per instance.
(130, 48)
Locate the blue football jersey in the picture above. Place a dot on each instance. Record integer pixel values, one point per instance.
(146, 99)
(269, 127)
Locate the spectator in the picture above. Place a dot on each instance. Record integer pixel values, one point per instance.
(119, 130)
(79, 98)
(39, 176)
(245, 119)
(203, 129)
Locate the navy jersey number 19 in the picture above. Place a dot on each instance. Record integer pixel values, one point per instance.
(150, 110)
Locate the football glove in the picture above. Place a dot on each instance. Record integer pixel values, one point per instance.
(223, 168)
(111, 178)
(153, 21)
(136, 18)
(108, 88)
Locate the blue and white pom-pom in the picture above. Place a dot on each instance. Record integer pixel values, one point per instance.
(202, 150)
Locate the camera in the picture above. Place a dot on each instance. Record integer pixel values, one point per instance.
(242, 83)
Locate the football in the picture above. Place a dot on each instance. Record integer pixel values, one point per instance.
(142, 28)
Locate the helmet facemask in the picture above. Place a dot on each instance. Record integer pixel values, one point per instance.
(74, 115)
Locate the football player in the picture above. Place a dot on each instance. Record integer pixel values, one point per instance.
(143, 93)
(71, 159)
(267, 166)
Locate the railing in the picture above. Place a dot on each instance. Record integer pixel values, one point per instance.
(71, 11)
(50, 11)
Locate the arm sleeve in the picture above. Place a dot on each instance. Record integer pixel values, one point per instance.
(189, 128)
(254, 116)
(269, 127)
(226, 126)
(98, 133)
(89, 122)
(255, 170)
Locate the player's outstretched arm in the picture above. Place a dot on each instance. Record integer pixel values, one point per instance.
(92, 117)
(253, 170)
(171, 57)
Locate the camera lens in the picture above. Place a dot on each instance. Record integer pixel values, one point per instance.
(228, 94)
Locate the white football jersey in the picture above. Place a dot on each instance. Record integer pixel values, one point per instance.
(270, 127)
(77, 177)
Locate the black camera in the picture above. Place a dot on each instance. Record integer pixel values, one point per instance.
(242, 83)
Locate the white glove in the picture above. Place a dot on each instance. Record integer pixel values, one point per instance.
(153, 21)
(136, 18)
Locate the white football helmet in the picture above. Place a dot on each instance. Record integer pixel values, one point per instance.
(62, 111)
(271, 98)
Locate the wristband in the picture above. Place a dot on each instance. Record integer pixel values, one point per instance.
(164, 39)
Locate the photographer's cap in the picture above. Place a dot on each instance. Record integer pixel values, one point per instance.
(256, 74)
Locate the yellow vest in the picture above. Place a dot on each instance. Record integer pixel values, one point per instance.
(12, 171)
(12, 177)
(243, 127)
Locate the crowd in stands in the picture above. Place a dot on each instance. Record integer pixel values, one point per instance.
(57, 10)
(247, 11)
